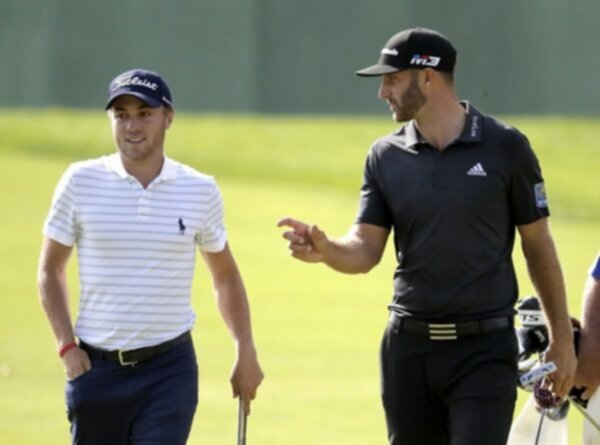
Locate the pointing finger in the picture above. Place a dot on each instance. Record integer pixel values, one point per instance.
(298, 226)
(287, 221)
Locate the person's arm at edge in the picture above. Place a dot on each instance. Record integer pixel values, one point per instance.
(232, 302)
(546, 275)
(588, 365)
(356, 252)
(54, 297)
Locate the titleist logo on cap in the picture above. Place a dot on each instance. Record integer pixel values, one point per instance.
(146, 85)
(135, 81)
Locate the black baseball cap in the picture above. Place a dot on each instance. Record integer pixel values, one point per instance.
(414, 48)
(143, 84)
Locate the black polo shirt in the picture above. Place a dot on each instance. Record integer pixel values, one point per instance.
(454, 214)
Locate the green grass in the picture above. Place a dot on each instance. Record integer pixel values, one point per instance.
(317, 331)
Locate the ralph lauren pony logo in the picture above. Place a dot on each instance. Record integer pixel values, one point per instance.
(181, 226)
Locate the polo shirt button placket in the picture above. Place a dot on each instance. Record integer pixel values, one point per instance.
(144, 205)
(439, 179)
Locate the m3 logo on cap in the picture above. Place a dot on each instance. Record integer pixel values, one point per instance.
(424, 60)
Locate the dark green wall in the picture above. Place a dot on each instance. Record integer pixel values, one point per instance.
(515, 56)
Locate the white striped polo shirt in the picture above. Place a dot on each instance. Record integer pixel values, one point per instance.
(136, 247)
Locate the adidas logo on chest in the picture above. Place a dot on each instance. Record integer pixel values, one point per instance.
(477, 170)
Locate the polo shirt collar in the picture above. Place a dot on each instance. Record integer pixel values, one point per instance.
(114, 164)
(413, 137)
(471, 131)
(168, 172)
(473, 124)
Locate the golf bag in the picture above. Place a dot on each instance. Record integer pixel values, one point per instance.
(543, 420)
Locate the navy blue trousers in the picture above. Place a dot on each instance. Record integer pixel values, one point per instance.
(459, 392)
(152, 403)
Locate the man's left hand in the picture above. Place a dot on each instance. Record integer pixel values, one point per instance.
(563, 356)
(246, 377)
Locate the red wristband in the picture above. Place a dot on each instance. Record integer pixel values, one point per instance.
(66, 348)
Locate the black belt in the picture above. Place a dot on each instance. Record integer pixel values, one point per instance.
(134, 356)
(448, 331)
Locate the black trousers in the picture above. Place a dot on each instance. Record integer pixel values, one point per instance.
(456, 392)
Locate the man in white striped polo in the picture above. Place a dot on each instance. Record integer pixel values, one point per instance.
(137, 218)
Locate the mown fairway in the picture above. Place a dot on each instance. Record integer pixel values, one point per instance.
(317, 331)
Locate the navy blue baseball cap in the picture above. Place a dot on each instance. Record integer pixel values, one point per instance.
(414, 48)
(146, 85)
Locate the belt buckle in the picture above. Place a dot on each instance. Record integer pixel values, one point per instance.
(442, 331)
(122, 360)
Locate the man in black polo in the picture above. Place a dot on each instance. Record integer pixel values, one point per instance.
(453, 184)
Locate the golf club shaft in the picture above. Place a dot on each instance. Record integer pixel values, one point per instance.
(241, 436)
(584, 413)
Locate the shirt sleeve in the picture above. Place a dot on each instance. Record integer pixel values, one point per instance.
(527, 191)
(61, 224)
(212, 235)
(372, 206)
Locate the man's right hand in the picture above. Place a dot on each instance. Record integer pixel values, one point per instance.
(306, 242)
(588, 370)
(76, 363)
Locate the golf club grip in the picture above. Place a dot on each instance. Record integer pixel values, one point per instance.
(241, 436)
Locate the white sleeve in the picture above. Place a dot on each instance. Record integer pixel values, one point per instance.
(213, 236)
(61, 223)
